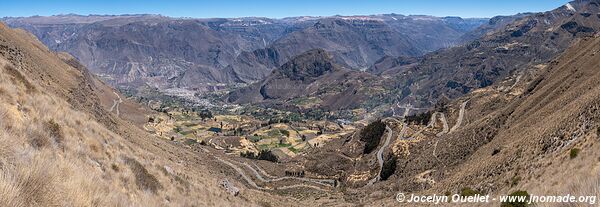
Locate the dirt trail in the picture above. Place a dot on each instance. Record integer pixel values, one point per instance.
(514, 84)
(263, 176)
(116, 103)
(445, 123)
(407, 108)
(380, 160)
(432, 120)
(442, 117)
(380, 153)
(270, 178)
(241, 172)
(461, 115)
(248, 179)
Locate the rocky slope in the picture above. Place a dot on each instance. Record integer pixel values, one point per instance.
(537, 132)
(508, 45)
(312, 74)
(134, 50)
(529, 40)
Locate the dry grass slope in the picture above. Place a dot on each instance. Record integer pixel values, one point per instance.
(143, 179)
(60, 147)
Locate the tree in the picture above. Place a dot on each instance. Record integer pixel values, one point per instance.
(389, 168)
(177, 129)
(262, 155)
(371, 134)
(422, 118)
(442, 104)
(204, 114)
(285, 132)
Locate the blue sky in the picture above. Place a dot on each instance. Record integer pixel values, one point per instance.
(276, 8)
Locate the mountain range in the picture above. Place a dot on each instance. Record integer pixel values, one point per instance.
(201, 54)
(526, 41)
(310, 111)
(508, 46)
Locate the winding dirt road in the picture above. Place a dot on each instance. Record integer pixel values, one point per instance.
(445, 123)
(461, 115)
(324, 182)
(432, 120)
(265, 177)
(259, 176)
(514, 84)
(380, 153)
(116, 103)
(241, 172)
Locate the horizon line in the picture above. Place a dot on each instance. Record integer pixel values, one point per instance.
(239, 17)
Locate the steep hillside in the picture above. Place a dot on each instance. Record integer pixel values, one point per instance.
(313, 75)
(527, 41)
(163, 52)
(200, 54)
(495, 23)
(62, 146)
(508, 45)
(556, 112)
(536, 132)
(359, 41)
(354, 42)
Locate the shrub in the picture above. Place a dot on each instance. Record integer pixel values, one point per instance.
(389, 168)
(267, 155)
(54, 131)
(262, 155)
(468, 192)
(285, 132)
(515, 181)
(115, 167)
(516, 203)
(143, 179)
(574, 152)
(17, 77)
(204, 114)
(248, 154)
(254, 138)
(442, 104)
(190, 141)
(177, 129)
(37, 138)
(371, 134)
(294, 150)
(422, 118)
(496, 151)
